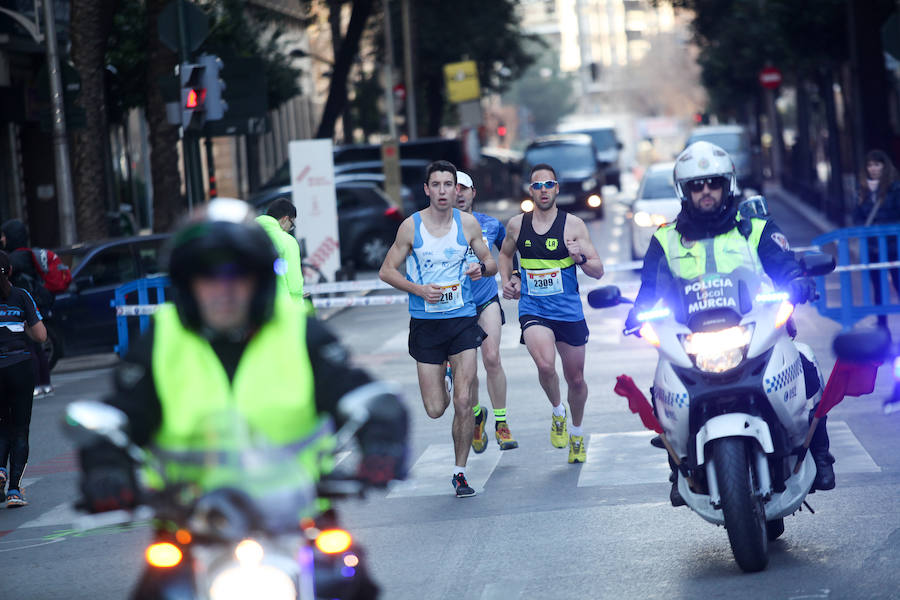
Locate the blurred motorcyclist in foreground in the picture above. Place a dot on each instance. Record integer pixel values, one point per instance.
(231, 342)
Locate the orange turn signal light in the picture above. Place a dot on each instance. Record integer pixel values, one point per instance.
(333, 541)
(163, 554)
(784, 313)
(648, 333)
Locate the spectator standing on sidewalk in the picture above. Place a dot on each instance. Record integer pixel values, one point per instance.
(878, 203)
(26, 277)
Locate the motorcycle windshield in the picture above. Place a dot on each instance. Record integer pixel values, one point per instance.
(720, 287)
(277, 478)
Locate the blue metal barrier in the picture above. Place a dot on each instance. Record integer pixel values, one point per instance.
(143, 309)
(860, 251)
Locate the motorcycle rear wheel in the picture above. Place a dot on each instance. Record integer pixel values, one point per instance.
(745, 515)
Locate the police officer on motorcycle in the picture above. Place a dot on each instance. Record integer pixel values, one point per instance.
(231, 340)
(705, 183)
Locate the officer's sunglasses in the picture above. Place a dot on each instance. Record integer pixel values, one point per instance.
(713, 183)
(547, 185)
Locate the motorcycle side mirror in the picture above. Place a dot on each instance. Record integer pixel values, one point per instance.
(89, 421)
(817, 263)
(606, 296)
(754, 206)
(862, 345)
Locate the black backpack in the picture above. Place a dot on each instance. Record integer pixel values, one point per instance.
(43, 299)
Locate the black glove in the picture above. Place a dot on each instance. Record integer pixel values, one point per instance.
(108, 481)
(801, 290)
(383, 440)
(632, 325)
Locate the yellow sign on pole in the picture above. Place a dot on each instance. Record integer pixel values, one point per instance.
(461, 79)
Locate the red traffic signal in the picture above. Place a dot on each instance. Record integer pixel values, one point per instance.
(195, 98)
(501, 130)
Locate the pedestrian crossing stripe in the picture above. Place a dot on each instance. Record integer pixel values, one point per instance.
(613, 459)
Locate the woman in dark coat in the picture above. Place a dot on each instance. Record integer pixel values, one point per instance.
(878, 203)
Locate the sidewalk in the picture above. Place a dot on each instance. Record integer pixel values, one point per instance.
(786, 207)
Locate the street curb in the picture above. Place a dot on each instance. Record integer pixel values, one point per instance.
(798, 206)
(86, 362)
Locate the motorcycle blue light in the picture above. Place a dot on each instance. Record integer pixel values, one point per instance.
(772, 297)
(897, 368)
(348, 571)
(653, 315)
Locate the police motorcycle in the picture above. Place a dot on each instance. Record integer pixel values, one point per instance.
(258, 529)
(732, 396)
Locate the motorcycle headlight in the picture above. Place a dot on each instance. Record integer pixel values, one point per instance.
(249, 577)
(242, 581)
(718, 351)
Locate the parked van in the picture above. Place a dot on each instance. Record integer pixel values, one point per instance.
(734, 140)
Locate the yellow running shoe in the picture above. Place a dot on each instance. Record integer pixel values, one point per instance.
(577, 451)
(558, 431)
(480, 440)
(504, 437)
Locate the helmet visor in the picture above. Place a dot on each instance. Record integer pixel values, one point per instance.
(222, 269)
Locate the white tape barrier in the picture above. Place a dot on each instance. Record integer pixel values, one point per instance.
(367, 285)
(360, 301)
(136, 310)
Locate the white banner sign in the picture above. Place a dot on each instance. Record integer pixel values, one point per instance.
(312, 180)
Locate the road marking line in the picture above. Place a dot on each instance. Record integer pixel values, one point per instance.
(503, 590)
(624, 458)
(430, 476)
(850, 455)
(61, 514)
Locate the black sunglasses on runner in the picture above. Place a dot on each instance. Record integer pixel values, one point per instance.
(713, 183)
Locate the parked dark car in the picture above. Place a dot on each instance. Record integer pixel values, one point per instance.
(367, 220)
(412, 172)
(580, 175)
(82, 321)
(423, 150)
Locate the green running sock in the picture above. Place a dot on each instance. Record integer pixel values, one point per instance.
(500, 415)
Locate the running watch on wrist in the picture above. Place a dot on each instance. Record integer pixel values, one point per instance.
(483, 269)
(583, 259)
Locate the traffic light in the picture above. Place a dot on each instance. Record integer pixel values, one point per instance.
(501, 131)
(193, 96)
(214, 85)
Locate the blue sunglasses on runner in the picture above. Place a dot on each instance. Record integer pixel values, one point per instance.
(547, 185)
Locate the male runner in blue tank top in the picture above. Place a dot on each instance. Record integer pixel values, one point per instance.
(550, 242)
(490, 319)
(443, 323)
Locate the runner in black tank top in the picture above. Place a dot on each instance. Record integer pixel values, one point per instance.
(550, 312)
(543, 259)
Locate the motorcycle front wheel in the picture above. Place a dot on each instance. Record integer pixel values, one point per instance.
(745, 515)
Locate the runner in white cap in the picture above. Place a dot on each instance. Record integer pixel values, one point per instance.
(490, 319)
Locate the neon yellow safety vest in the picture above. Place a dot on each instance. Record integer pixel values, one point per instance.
(730, 251)
(208, 421)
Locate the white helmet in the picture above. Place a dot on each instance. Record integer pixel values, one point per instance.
(702, 160)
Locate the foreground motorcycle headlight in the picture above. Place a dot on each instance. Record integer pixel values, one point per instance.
(718, 351)
(252, 581)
